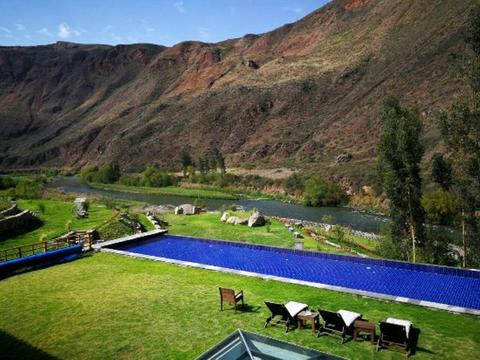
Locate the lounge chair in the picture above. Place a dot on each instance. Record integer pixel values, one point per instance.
(339, 323)
(395, 333)
(287, 313)
(229, 296)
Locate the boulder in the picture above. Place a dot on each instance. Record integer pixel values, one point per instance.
(187, 209)
(343, 158)
(232, 219)
(241, 221)
(256, 220)
(224, 216)
(178, 210)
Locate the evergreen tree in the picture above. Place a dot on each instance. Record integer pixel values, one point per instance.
(400, 153)
(441, 172)
(460, 128)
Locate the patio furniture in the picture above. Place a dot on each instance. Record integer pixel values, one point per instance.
(287, 313)
(395, 333)
(304, 317)
(339, 323)
(229, 296)
(366, 327)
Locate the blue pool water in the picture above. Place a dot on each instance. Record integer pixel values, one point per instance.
(421, 282)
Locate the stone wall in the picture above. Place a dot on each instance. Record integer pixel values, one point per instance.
(16, 223)
(12, 210)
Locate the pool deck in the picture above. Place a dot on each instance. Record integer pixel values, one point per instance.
(151, 234)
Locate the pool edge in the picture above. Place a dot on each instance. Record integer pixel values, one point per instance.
(379, 296)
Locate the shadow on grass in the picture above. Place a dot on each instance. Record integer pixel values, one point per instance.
(13, 348)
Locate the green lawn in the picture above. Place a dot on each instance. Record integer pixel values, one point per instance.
(55, 217)
(208, 225)
(169, 190)
(108, 306)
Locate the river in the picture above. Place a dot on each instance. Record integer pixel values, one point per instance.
(343, 216)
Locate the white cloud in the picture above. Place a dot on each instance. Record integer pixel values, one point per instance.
(27, 36)
(45, 32)
(63, 31)
(4, 29)
(204, 33)
(150, 29)
(20, 27)
(180, 6)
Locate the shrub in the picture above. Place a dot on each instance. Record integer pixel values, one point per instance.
(41, 207)
(294, 184)
(129, 180)
(154, 177)
(6, 182)
(319, 192)
(440, 207)
(27, 189)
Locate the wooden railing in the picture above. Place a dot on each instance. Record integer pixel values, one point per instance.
(84, 238)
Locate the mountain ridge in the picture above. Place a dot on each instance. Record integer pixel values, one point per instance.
(299, 96)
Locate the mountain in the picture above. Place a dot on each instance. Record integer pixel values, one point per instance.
(300, 95)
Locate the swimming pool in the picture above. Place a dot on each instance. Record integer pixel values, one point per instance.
(435, 286)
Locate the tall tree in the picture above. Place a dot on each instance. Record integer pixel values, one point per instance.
(460, 128)
(400, 153)
(186, 161)
(441, 172)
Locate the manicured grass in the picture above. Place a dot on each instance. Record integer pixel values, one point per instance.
(208, 225)
(108, 306)
(55, 218)
(169, 190)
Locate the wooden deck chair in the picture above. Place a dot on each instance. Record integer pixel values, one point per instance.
(228, 296)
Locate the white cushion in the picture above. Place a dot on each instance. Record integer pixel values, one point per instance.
(294, 308)
(348, 316)
(406, 323)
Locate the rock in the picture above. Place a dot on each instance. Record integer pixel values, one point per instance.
(343, 158)
(187, 209)
(252, 64)
(224, 216)
(178, 210)
(256, 220)
(241, 221)
(232, 219)
(367, 190)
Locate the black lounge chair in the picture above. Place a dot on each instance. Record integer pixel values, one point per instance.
(333, 324)
(279, 310)
(393, 335)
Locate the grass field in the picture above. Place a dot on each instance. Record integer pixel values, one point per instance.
(209, 226)
(55, 218)
(107, 306)
(169, 190)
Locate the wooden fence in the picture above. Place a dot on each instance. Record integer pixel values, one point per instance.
(84, 238)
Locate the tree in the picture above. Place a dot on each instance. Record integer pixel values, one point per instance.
(460, 128)
(400, 153)
(441, 172)
(319, 192)
(186, 161)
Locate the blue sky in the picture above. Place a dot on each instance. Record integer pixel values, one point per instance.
(166, 22)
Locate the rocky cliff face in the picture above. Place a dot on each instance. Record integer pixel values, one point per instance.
(302, 94)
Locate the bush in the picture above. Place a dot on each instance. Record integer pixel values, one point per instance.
(106, 174)
(27, 189)
(440, 206)
(154, 177)
(129, 180)
(319, 192)
(6, 182)
(294, 184)
(41, 207)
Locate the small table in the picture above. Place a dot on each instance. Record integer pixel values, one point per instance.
(362, 326)
(304, 317)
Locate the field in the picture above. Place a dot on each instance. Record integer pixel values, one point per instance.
(55, 216)
(107, 306)
(169, 190)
